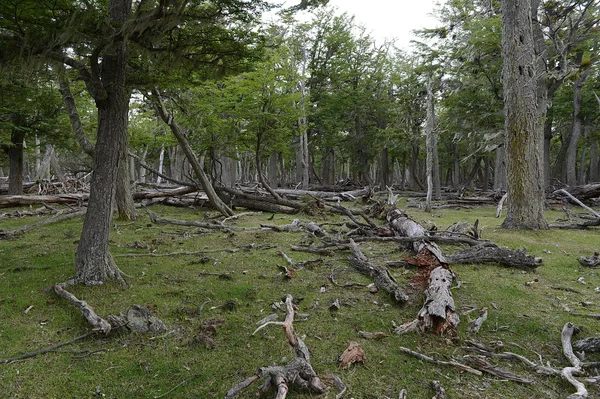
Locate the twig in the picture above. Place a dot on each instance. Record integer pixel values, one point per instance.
(45, 350)
(181, 384)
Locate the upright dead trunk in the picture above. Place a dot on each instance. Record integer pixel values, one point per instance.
(161, 163)
(93, 261)
(523, 119)
(16, 162)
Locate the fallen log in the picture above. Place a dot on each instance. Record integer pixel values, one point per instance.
(20, 200)
(59, 217)
(298, 373)
(489, 254)
(587, 345)
(576, 367)
(380, 274)
(438, 312)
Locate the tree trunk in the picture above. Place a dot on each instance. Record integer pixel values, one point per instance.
(429, 134)
(93, 261)
(161, 163)
(16, 162)
(500, 169)
(191, 157)
(576, 132)
(524, 133)
(594, 164)
(328, 166)
(123, 195)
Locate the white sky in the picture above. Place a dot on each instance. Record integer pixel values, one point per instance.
(392, 19)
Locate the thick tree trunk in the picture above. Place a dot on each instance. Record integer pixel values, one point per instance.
(524, 133)
(16, 162)
(93, 261)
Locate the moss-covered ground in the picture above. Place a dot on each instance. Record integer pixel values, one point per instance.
(186, 290)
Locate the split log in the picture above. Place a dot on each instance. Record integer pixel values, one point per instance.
(438, 312)
(489, 254)
(298, 373)
(482, 364)
(19, 200)
(380, 274)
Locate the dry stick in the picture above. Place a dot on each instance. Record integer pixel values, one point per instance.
(339, 385)
(509, 355)
(88, 312)
(581, 204)
(460, 366)
(54, 219)
(567, 372)
(45, 350)
(181, 384)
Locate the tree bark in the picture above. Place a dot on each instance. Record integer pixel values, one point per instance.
(16, 162)
(576, 132)
(93, 261)
(523, 119)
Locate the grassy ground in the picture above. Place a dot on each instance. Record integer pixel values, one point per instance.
(185, 291)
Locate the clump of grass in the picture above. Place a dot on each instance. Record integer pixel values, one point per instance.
(187, 290)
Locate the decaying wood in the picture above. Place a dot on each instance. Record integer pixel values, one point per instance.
(154, 218)
(576, 368)
(298, 373)
(353, 354)
(585, 192)
(491, 254)
(587, 345)
(590, 261)
(438, 312)
(187, 189)
(380, 274)
(452, 363)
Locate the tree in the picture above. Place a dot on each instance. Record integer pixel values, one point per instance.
(523, 123)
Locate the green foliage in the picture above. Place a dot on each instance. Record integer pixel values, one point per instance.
(186, 290)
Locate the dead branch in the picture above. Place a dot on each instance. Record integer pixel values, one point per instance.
(191, 223)
(460, 366)
(298, 372)
(99, 324)
(46, 350)
(488, 254)
(494, 370)
(59, 217)
(567, 372)
(476, 324)
(381, 276)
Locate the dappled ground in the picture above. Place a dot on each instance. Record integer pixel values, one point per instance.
(230, 280)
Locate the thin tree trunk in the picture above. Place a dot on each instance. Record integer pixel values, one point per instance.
(594, 163)
(577, 127)
(191, 157)
(429, 134)
(161, 163)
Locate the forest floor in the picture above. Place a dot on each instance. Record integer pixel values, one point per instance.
(191, 278)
